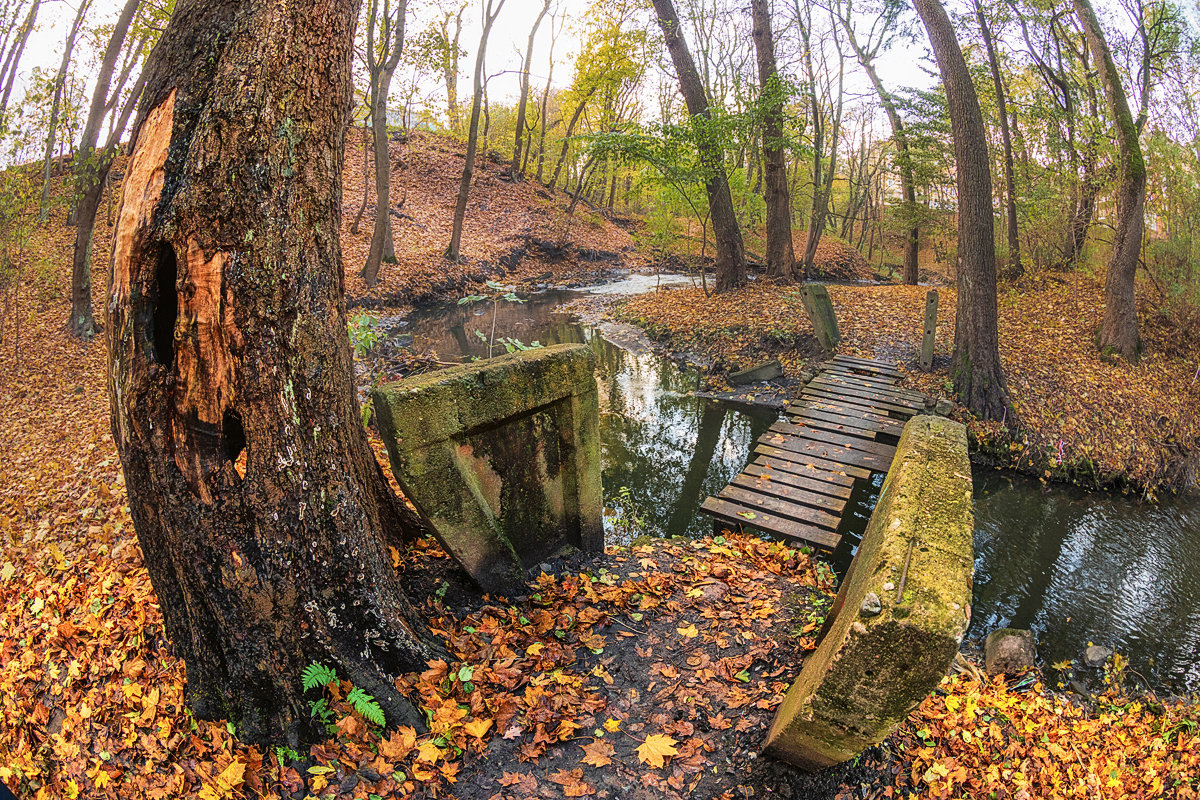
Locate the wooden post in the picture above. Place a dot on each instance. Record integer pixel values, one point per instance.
(931, 304)
(820, 313)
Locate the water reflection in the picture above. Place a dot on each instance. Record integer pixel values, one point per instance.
(1078, 567)
(668, 448)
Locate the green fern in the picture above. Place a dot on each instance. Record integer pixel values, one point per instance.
(365, 705)
(315, 675)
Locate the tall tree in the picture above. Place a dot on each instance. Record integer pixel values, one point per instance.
(258, 504)
(385, 43)
(450, 52)
(92, 165)
(1015, 270)
(866, 53)
(731, 256)
(780, 256)
(1119, 327)
(521, 134)
(975, 363)
(490, 11)
(60, 81)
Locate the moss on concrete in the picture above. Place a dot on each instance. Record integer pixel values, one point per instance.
(871, 670)
(501, 457)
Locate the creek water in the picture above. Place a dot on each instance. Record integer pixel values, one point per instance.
(1075, 567)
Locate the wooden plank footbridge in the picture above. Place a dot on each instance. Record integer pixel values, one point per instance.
(842, 428)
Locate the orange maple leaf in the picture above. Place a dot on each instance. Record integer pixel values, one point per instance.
(598, 754)
(656, 749)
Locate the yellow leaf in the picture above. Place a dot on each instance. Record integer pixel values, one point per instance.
(477, 727)
(428, 752)
(72, 789)
(689, 632)
(656, 749)
(612, 725)
(534, 649)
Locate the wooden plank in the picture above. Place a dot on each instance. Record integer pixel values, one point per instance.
(846, 394)
(792, 494)
(863, 415)
(861, 369)
(863, 404)
(784, 476)
(865, 363)
(727, 511)
(881, 380)
(780, 508)
(805, 459)
(901, 396)
(836, 481)
(831, 427)
(829, 452)
(848, 423)
(835, 439)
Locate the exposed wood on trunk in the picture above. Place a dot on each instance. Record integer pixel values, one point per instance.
(227, 335)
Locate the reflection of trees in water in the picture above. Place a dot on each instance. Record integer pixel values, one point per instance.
(450, 330)
(1080, 567)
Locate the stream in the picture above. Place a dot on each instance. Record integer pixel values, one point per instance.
(1074, 567)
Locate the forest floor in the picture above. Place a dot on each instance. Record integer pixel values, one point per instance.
(650, 671)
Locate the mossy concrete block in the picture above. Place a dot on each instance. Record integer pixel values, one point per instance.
(501, 457)
(876, 662)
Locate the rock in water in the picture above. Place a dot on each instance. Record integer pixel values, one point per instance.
(1008, 651)
(1095, 656)
(765, 371)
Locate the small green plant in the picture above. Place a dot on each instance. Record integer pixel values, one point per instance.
(440, 593)
(499, 293)
(364, 333)
(625, 516)
(285, 756)
(320, 676)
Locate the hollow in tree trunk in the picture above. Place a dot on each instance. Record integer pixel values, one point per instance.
(731, 256)
(975, 363)
(257, 501)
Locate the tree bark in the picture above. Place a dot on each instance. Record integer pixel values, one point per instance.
(1015, 270)
(731, 257)
(382, 58)
(227, 341)
(464, 188)
(562, 156)
(450, 66)
(975, 364)
(516, 170)
(59, 82)
(780, 255)
(1119, 327)
(362, 207)
(90, 172)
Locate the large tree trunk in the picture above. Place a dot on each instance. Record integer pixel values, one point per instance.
(520, 136)
(1015, 270)
(975, 364)
(55, 105)
(228, 347)
(91, 168)
(780, 256)
(731, 257)
(464, 188)
(1119, 328)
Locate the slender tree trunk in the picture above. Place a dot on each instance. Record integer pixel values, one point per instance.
(8, 71)
(490, 13)
(382, 58)
(1119, 328)
(731, 257)
(1015, 270)
(780, 256)
(59, 83)
(227, 340)
(362, 207)
(516, 169)
(975, 365)
(822, 178)
(450, 68)
(562, 156)
(91, 169)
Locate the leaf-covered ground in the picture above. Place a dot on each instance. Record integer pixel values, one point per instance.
(1084, 418)
(698, 640)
